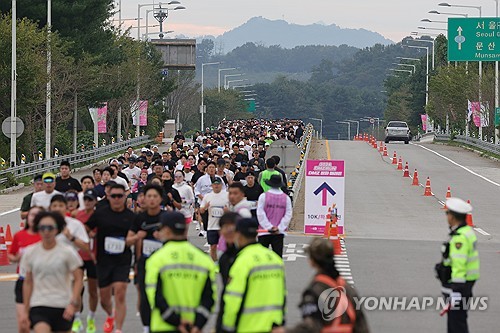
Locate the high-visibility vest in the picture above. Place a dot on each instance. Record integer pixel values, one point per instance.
(463, 257)
(183, 270)
(254, 298)
(266, 175)
(336, 326)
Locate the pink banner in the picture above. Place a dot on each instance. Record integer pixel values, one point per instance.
(101, 119)
(143, 113)
(424, 122)
(319, 168)
(476, 113)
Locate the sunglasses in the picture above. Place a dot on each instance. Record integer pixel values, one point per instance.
(47, 227)
(117, 196)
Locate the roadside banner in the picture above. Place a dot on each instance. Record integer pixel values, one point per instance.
(476, 113)
(424, 122)
(143, 113)
(101, 118)
(325, 188)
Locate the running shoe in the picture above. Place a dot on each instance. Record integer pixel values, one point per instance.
(109, 324)
(91, 325)
(77, 326)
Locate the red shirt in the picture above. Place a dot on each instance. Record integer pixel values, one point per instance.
(22, 239)
(83, 217)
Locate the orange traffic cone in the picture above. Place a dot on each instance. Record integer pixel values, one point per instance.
(385, 151)
(400, 163)
(381, 147)
(448, 195)
(415, 179)
(326, 232)
(334, 236)
(406, 173)
(8, 238)
(428, 191)
(468, 218)
(394, 159)
(4, 260)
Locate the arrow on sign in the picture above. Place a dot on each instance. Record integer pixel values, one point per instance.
(460, 39)
(324, 189)
(292, 257)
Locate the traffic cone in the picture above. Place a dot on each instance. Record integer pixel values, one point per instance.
(400, 163)
(334, 236)
(406, 173)
(428, 191)
(327, 223)
(415, 179)
(375, 144)
(394, 159)
(468, 218)
(381, 147)
(385, 152)
(8, 238)
(4, 260)
(448, 195)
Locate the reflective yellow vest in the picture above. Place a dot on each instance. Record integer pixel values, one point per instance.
(182, 271)
(254, 299)
(463, 257)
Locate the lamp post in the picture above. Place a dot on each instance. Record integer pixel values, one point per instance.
(433, 49)
(321, 126)
(202, 106)
(230, 75)
(13, 92)
(357, 127)
(408, 65)
(426, 71)
(161, 14)
(231, 81)
(400, 70)
(348, 128)
(48, 101)
(220, 71)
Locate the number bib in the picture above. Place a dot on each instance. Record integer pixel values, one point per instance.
(149, 246)
(217, 212)
(114, 245)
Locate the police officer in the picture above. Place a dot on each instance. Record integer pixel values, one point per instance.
(459, 268)
(254, 298)
(181, 267)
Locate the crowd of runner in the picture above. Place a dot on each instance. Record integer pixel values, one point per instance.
(111, 219)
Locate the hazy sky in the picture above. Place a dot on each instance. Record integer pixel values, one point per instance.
(392, 18)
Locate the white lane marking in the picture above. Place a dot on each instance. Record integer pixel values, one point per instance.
(481, 231)
(9, 212)
(459, 165)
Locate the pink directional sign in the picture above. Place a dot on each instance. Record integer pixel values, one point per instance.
(325, 183)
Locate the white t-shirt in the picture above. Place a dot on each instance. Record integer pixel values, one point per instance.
(121, 181)
(51, 270)
(243, 208)
(130, 172)
(42, 199)
(76, 229)
(217, 203)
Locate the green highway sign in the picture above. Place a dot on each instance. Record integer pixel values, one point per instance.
(251, 105)
(474, 39)
(497, 116)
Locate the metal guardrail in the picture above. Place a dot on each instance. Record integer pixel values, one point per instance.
(31, 169)
(471, 141)
(305, 146)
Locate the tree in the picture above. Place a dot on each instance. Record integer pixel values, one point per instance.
(322, 73)
(205, 49)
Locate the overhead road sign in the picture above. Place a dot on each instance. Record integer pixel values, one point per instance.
(474, 39)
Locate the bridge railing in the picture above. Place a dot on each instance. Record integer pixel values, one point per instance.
(87, 156)
(485, 143)
(298, 174)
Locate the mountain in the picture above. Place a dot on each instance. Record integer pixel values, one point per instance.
(288, 35)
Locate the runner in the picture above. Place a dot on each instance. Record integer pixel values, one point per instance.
(65, 182)
(141, 235)
(113, 255)
(42, 198)
(37, 187)
(53, 281)
(87, 184)
(22, 239)
(253, 190)
(187, 195)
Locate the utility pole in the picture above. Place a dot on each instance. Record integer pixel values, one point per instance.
(48, 102)
(13, 94)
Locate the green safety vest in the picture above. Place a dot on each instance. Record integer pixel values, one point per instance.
(184, 271)
(463, 258)
(266, 175)
(254, 299)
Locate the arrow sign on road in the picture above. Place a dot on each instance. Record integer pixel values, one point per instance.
(292, 257)
(324, 189)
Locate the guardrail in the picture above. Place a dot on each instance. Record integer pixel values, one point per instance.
(31, 169)
(485, 144)
(304, 145)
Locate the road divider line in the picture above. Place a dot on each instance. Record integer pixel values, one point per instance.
(328, 153)
(9, 211)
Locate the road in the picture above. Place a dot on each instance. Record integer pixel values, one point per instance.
(394, 233)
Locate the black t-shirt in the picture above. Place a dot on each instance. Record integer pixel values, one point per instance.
(26, 205)
(239, 176)
(148, 223)
(253, 193)
(112, 227)
(104, 203)
(64, 185)
(196, 176)
(169, 165)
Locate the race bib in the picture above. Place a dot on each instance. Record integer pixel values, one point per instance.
(149, 246)
(217, 212)
(114, 245)
(253, 205)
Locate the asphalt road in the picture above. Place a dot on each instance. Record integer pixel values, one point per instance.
(394, 233)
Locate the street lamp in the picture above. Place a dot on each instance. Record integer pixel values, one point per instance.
(348, 128)
(48, 101)
(220, 71)
(433, 49)
(357, 123)
(202, 106)
(426, 72)
(321, 126)
(445, 4)
(13, 91)
(443, 13)
(231, 81)
(161, 14)
(426, 20)
(419, 33)
(230, 75)
(408, 65)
